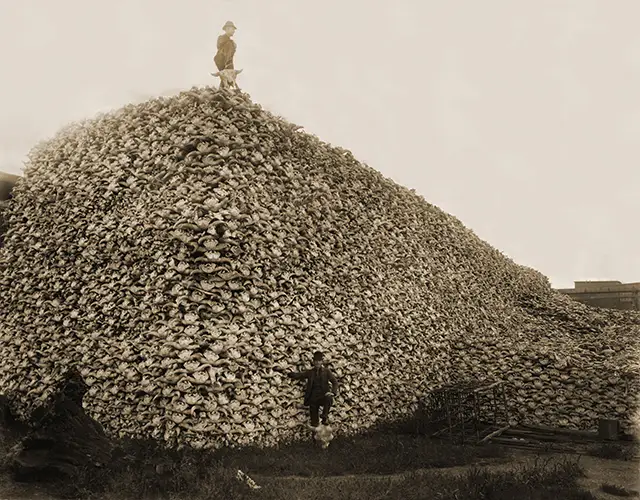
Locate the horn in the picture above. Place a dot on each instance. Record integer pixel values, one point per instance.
(238, 71)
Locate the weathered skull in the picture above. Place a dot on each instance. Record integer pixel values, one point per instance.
(324, 435)
(228, 77)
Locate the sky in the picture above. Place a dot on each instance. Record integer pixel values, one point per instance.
(521, 118)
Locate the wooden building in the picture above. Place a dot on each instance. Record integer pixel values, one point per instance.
(606, 294)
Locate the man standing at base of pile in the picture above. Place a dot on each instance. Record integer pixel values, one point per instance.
(317, 392)
(226, 50)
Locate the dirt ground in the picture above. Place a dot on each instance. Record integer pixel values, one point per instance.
(618, 473)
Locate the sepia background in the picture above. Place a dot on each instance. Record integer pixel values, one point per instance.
(520, 118)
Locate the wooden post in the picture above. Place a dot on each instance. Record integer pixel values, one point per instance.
(609, 429)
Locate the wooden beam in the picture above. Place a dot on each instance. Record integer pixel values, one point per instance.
(495, 433)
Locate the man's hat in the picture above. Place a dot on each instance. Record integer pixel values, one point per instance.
(229, 24)
(317, 356)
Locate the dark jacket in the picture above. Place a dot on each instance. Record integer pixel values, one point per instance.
(310, 375)
(226, 51)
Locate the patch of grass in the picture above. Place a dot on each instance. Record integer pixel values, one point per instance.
(149, 469)
(618, 491)
(144, 470)
(149, 473)
(184, 480)
(372, 454)
(543, 480)
(613, 451)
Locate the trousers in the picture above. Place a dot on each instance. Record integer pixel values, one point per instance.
(314, 409)
(222, 63)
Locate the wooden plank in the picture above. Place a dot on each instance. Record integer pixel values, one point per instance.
(557, 430)
(545, 438)
(554, 436)
(494, 434)
(524, 446)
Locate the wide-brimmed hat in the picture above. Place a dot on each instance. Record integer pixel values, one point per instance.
(229, 24)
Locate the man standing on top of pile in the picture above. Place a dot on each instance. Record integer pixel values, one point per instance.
(317, 392)
(226, 49)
